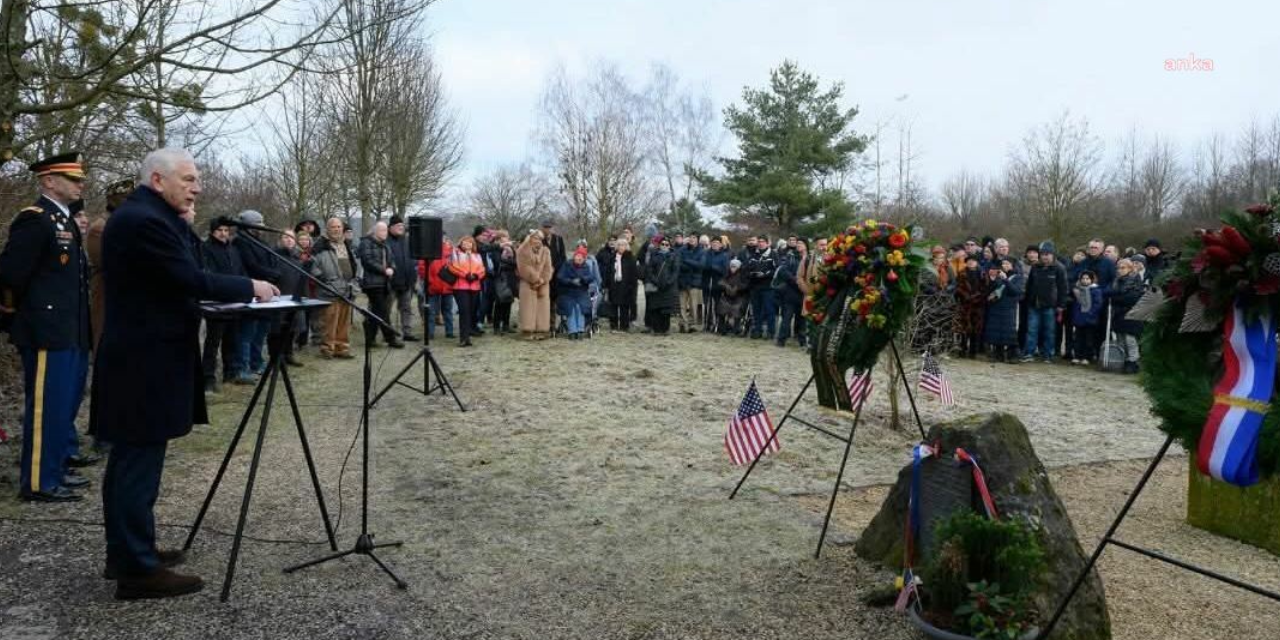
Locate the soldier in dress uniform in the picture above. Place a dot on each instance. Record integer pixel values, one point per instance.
(44, 275)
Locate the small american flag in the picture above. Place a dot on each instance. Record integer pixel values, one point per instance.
(860, 387)
(934, 381)
(749, 429)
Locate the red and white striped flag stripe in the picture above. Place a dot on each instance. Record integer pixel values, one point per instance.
(934, 381)
(749, 429)
(860, 388)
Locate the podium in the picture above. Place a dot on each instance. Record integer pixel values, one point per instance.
(284, 311)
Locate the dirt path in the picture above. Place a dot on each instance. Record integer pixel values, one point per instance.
(583, 496)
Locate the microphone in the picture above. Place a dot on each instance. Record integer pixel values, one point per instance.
(224, 221)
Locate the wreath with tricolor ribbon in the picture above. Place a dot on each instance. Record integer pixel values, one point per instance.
(1209, 347)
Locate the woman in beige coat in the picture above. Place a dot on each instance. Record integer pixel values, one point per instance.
(533, 264)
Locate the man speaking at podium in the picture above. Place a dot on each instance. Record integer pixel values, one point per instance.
(147, 383)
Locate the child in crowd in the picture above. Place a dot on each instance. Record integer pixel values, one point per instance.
(1086, 308)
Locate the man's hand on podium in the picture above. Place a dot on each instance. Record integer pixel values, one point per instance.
(264, 291)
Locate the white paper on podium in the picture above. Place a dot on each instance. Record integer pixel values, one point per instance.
(278, 302)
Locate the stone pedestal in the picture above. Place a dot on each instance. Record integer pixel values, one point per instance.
(1248, 514)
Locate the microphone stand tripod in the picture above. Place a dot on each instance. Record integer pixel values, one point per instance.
(364, 542)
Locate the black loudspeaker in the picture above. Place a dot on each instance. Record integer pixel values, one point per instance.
(425, 237)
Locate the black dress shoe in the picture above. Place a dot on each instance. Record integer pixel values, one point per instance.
(83, 460)
(409, 337)
(56, 494)
(395, 344)
(168, 560)
(164, 583)
(293, 361)
(74, 482)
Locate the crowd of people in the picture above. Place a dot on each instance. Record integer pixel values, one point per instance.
(129, 282)
(975, 298)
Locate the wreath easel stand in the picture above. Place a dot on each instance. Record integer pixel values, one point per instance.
(790, 416)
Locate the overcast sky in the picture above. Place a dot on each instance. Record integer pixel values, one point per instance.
(977, 74)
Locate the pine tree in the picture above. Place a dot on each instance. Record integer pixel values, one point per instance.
(793, 138)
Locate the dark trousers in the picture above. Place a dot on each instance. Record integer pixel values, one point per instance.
(220, 338)
(622, 316)
(380, 305)
(486, 302)
(1068, 333)
(57, 380)
(466, 313)
(1086, 347)
(660, 322)
(791, 319)
(502, 315)
(130, 487)
(1022, 322)
(763, 310)
(251, 336)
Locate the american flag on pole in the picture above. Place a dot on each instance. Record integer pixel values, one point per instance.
(749, 429)
(860, 387)
(934, 381)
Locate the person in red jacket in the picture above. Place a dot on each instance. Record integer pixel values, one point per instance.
(439, 292)
(468, 269)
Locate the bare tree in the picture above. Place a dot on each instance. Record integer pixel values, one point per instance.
(1161, 178)
(254, 46)
(683, 134)
(362, 65)
(513, 198)
(1127, 185)
(1250, 168)
(1057, 168)
(421, 138)
(963, 194)
(1210, 194)
(594, 139)
(301, 152)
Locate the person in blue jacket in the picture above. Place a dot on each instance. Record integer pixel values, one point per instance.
(576, 280)
(714, 268)
(692, 262)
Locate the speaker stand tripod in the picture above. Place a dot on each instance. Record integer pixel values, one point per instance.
(429, 364)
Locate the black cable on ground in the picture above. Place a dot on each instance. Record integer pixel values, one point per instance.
(341, 473)
(166, 525)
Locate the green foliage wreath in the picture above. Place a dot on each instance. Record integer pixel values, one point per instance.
(1240, 260)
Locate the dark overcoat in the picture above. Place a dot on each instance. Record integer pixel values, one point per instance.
(971, 302)
(1123, 294)
(621, 292)
(1001, 326)
(663, 270)
(147, 382)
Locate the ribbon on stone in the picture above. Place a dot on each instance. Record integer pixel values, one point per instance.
(909, 583)
(979, 480)
(1241, 399)
(919, 454)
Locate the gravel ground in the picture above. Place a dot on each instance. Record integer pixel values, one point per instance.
(583, 496)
